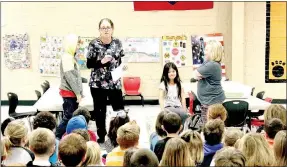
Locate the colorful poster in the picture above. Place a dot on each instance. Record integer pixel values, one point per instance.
(16, 51)
(141, 50)
(81, 56)
(198, 43)
(51, 49)
(275, 50)
(174, 50)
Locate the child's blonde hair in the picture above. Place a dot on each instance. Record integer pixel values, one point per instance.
(176, 153)
(280, 148)
(216, 50)
(128, 135)
(256, 150)
(15, 133)
(275, 111)
(3, 151)
(195, 144)
(231, 135)
(93, 154)
(229, 156)
(42, 141)
(216, 111)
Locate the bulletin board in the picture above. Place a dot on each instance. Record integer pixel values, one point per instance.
(275, 51)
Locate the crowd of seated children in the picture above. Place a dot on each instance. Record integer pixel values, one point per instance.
(215, 146)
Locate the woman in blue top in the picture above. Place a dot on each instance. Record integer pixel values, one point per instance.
(209, 75)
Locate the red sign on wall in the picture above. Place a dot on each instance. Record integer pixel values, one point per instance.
(171, 5)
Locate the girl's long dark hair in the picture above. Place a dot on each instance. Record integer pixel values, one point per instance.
(114, 126)
(165, 79)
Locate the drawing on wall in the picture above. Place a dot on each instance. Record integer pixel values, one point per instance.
(141, 50)
(174, 50)
(51, 49)
(81, 56)
(275, 50)
(16, 51)
(198, 43)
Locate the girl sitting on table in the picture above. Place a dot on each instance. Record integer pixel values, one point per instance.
(71, 82)
(209, 89)
(171, 93)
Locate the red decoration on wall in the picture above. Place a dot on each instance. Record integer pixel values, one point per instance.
(174, 5)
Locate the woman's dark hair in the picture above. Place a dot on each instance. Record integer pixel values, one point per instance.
(158, 123)
(115, 123)
(165, 79)
(108, 20)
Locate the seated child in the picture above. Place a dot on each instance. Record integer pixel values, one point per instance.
(42, 144)
(85, 112)
(172, 95)
(213, 132)
(117, 121)
(172, 126)
(256, 150)
(229, 156)
(280, 149)
(127, 156)
(83, 132)
(176, 153)
(144, 157)
(14, 141)
(127, 137)
(45, 119)
(271, 127)
(216, 111)
(76, 122)
(159, 132)
(72, 150)
(195, 145)
(93, 154)
(231, 135)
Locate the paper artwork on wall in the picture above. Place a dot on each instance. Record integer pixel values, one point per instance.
(198, 43)
(174, 50)
(81, 54)
(16, 51)
(141, 50)
(51, 49)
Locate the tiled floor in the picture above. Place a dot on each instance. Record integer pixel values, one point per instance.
(144, 116)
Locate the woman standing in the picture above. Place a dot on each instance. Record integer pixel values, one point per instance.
(104, 56)
(209, 89)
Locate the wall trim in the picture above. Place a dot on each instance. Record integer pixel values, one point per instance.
(127, 102)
